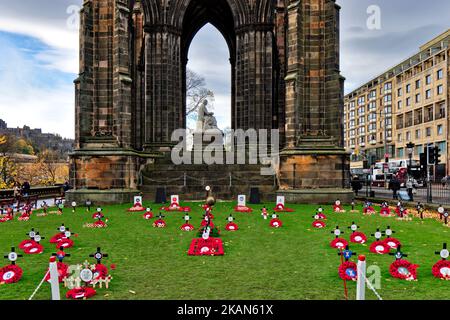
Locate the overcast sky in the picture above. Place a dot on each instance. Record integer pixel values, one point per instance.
(39, 54)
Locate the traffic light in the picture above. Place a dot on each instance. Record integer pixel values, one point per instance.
(431, 155)
(423, 163)
(437, 156)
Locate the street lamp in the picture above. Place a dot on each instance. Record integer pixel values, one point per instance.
(410, 148)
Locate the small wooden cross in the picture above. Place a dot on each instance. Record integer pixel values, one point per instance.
(12, 256)
(399, 254)
(353, 227)
(337, 232)
(187, 218)
(388, 232)
(378, 234)
(444, 253)
(347, 253)
(60, 255)
(99, 255)
(230, 218)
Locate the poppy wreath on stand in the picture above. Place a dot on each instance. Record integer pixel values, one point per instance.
(98, 215)
(231, 226)
(24, 217)
(81, 293)
(392, 243)
(358, 237)
(348, 271)
(100, 224)
(65, 243)
(281, 208)
(318, 224)
(338, 243)
(403, 269)
(160, 223)
(379, 247)
(148, 215)
(10, 274)
(26, 243)
(441, 270)
(36, 248)
(244, 209)
(187, 227)
(62, 272)
(276, 223)
(385, 212)
(57, 237)
(136, 208)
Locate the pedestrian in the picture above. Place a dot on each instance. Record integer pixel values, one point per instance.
(16, 190)
(394, 185)
(26, 189)
(409, 188)
(356, 185)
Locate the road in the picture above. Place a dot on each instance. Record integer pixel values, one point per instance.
(440, 194)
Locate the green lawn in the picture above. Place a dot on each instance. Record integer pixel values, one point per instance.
(294, 262)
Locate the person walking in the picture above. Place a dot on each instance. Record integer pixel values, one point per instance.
(409, 188)
(26, 189)
(394, 185)
(356, 185)
(16, 190)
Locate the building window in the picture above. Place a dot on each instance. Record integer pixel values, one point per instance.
(408, 102)
(400, 152)
(408, 88)
(428, 132)
(440, 89)
(408, 136)
(441, 113)
(400, 92)
(418, 98)
(387, 98)
(388, 86)
(418, 149)
(399, 137)
(440, 130)
(418, 134)
(442, 147)
(428, 79)
(418, 84)
(440, 74)
(399, 105)
(428, 94)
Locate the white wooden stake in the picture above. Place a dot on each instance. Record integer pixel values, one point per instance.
(361, 282)
(54, 282)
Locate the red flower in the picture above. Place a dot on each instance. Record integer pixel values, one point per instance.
(187, 227)
(65, 243)
(358, 237)
(36, 248)
(403, 269)
(100, 271)
(276, 223)
(160, 223)
(338, 243)
(148, 216)
(441, 269)
(318, 224)
(392, 243)
(380, 247)
(26, 243)
(57, 237)
(10, 274)
(62, 272)
(112, 266)
(80, 293)
(244, 209)
(348, 271)
(231, 226)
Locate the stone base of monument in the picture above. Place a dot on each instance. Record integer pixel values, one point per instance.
(118, 196)
(316, 172)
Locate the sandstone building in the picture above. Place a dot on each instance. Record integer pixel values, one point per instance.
(407, 103)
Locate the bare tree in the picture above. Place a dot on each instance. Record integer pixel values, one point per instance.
(196, 92)
(49, 163)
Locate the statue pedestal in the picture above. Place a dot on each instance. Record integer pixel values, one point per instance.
(315, 173)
